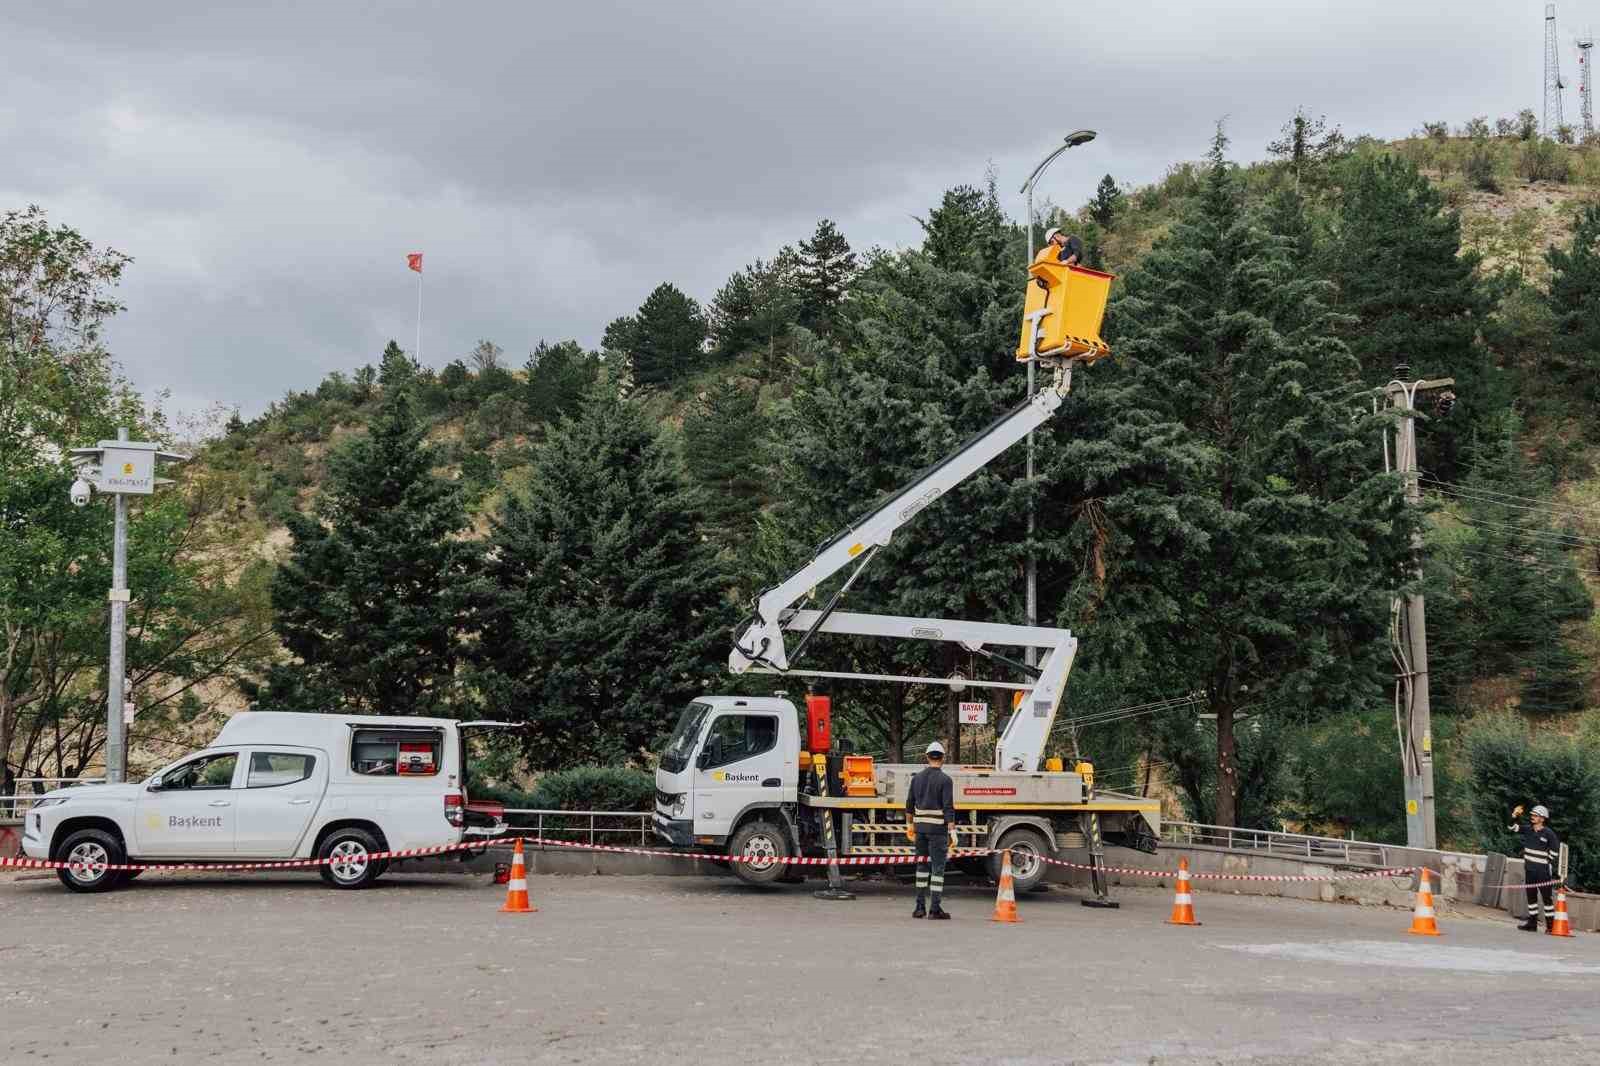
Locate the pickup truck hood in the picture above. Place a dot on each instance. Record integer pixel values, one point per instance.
(96, 793)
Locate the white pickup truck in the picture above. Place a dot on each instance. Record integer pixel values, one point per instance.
(273, 785)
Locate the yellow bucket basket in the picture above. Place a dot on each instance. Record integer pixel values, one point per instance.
(1073, 299)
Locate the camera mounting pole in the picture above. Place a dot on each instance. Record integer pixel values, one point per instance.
(119, 468)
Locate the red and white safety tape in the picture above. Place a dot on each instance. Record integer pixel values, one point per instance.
(851, 860)
(1393, 871)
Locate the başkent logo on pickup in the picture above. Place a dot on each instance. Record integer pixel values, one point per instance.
(193, 822)
(988, 792)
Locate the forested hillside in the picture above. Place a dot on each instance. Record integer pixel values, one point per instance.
(568, 536)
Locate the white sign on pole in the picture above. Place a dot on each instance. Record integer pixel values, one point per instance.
(974, 713)
(128, 470)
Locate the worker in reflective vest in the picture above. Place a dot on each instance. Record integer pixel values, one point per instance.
(931, 812)
(1541, 854)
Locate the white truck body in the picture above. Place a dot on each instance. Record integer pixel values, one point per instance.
(272, 786)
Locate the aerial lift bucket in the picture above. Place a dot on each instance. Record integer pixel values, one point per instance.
(1066, 306)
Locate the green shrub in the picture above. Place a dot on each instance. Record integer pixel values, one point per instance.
(1510, 768)
(1479, 169)
(1543, 160)
(596, 788)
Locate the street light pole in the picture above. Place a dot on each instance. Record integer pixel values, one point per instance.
(116, 666)
(1072, 140)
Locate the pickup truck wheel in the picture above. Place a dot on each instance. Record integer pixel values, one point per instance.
(92, 850)
(1027, 847)
(349, 865)
(764, 846)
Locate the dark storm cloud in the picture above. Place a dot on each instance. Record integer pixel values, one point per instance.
(269, 167)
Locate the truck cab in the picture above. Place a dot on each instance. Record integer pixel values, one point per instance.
(730, 759)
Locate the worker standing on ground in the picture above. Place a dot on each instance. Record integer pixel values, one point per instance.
(1060, 247)
(931, 807)
(1541, 852)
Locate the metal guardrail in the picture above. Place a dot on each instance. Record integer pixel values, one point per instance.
(1283, 845)
(15, 804)
(590, 827)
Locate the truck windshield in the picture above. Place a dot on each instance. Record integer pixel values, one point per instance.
(676, 755)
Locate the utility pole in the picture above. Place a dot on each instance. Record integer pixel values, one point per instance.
(1410, 629)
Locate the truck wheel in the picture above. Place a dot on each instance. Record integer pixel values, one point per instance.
(349, 865)
(765, 846)
(94, 849)
(1027, 847)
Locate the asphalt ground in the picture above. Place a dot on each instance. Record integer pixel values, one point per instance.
(273, 968)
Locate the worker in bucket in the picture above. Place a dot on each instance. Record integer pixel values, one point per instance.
(1541, 853)
(1060, 247)
(931, 809)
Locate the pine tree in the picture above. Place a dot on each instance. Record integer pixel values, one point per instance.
(724, 440)
(1306, 144)
(754, 311)
(823, 274)
(664, 341)
(607, 611)
(396, 369)
(1249, 547)
(967, 231)
(1575, 302)
(374, 598)
(1412, 296)
(559, 377)
(1106, 203)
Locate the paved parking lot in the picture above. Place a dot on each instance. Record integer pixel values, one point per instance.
(424, 969)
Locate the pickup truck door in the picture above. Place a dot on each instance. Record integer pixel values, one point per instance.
(740, 763)
(187, 811)
(283, 787)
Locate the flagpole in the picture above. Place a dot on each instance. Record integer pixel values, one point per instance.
(419, 317)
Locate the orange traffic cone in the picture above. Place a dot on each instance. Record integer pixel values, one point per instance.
(517, 887)
(1559, 925)
(1183, 899)
(1422, 919)
(1005, 900)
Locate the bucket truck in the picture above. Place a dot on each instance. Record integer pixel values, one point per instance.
(754, 777)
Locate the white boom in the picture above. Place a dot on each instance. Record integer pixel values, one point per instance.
(760, 647)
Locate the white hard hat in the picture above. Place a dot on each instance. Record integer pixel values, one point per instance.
(1540, 811)
(936, 748)
(1050, 234)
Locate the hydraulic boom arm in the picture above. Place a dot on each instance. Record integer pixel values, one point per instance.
(760, 641)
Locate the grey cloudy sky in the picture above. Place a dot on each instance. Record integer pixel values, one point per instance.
(269, 165)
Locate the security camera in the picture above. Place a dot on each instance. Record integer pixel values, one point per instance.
(81, 491)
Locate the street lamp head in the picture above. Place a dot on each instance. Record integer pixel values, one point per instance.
(1077, 137)
(81, 491)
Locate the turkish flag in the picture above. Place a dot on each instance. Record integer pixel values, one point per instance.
(414, 261)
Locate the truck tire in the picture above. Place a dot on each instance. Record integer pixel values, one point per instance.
(350, 866)
(765, 843)
(1027, 847)
(96, 847)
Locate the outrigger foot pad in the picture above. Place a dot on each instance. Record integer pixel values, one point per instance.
(833, 894)
(1102, 904)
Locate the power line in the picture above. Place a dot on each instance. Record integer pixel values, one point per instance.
(1569, 540)
(1528, 503)
(1541, 500)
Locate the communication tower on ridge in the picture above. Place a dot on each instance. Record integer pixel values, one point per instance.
(1586, 83)
(1552, 75)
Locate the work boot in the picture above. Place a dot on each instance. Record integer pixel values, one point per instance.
(938, 914)
(1550, 923)
(920, 912)
(1531, 925)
